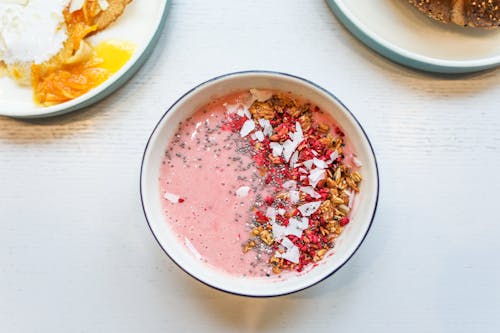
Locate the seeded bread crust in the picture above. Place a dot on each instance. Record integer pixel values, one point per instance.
(472, 13)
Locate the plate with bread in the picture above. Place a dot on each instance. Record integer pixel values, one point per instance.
(443, 36)
(62, 55)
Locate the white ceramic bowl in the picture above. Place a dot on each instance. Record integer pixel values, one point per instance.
(347, 243)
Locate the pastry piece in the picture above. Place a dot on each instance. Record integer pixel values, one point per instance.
(109, 14)
(472, 13)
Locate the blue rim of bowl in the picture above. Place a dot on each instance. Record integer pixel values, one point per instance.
(404, 57)
(269, 73)
(117, 83)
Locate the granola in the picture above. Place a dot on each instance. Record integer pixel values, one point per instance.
(304, 162)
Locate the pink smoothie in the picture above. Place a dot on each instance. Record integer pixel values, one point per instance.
(210, 185)
(213, 173)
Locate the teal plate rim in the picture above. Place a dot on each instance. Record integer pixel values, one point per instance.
(404, 57)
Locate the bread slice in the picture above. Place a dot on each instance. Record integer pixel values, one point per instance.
(482, 13)
(472, 13)
(440, 10)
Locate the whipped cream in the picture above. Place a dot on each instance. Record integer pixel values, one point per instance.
(31, 31)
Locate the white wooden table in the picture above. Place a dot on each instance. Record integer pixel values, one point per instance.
(76, 254)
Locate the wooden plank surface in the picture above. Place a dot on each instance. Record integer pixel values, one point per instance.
(77, 256)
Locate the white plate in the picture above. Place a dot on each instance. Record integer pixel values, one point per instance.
(400, 32)
(141, 24)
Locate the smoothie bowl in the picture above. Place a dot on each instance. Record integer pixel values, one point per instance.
(259, 183)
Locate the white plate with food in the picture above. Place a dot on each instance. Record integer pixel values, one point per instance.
(83, 51)
(399, 31)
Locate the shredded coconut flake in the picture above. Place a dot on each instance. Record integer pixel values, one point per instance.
(291, 254)
(310, 190)
(294, 196)
(289, 184)
(259, 135)
(193, 250)
(315, 176)
(277, 148)
(267, 128)
(298, 135)
(271, 213)
(293, 230)
(242, 191)
(248, 126)
(289, 146)
(308, 164)
(320, 163)
(303, 223)
(173, 198)
(287, 243)
(333, 157)
(297, 226)
(279, 231)
(309, 208)
(240, 110)
(295, 158)
(288, 149)
(247, 113)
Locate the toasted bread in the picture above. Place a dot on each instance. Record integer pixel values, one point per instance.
(471, 13)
